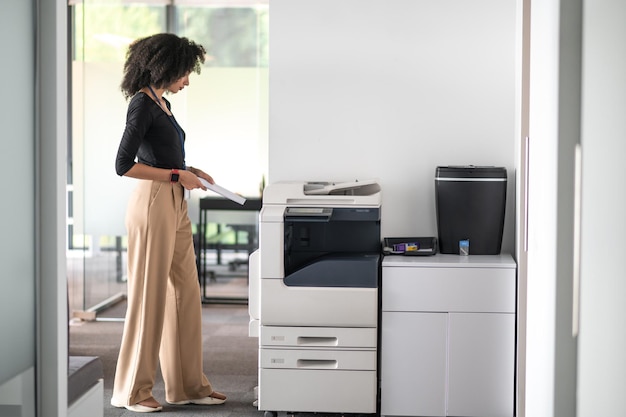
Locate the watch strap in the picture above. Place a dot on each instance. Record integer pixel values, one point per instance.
(174, 176)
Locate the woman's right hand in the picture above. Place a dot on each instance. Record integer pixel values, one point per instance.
(190, 180)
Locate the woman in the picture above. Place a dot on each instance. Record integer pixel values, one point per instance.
(163, 317)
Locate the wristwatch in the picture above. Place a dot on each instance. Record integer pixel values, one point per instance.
(174, 176)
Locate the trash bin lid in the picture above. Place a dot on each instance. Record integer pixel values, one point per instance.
(470, 172)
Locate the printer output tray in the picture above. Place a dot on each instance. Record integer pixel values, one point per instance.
(338, 270)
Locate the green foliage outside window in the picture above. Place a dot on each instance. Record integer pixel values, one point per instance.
(233, 37)
(102, 32)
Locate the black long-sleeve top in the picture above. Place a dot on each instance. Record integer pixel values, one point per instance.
(149, 136)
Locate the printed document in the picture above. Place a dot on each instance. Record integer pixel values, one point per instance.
(223, 192)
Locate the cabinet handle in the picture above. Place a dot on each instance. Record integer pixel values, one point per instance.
(577, 240)
(526, 182)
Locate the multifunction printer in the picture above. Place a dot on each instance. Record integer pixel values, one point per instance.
(313, 297)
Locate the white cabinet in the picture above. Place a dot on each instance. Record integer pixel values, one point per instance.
(481, 364)
(448, 336)
(413, 364)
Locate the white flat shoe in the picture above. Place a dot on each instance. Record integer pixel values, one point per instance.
(138, 408)
(201, 401)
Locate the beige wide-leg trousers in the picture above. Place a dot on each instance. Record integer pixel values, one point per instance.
(164, 313)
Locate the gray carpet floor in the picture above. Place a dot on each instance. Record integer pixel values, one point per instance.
(230, 359)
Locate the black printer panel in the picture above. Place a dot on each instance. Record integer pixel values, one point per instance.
(315, 233)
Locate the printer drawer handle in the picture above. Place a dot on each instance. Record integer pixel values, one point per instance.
(317, 363)
(317, 341)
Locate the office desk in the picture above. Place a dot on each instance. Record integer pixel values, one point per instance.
(212, 207)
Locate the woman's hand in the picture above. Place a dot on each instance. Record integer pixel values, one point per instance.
(190, 178)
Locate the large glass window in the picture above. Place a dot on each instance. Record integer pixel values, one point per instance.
(223, 112)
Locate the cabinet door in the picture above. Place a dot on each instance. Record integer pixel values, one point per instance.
(481, 364)
(413, 364)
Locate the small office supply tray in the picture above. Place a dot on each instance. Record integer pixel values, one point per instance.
(417, 246)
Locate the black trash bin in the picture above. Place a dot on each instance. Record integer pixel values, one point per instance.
(470, 204)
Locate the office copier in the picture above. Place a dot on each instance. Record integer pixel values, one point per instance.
(313, 297)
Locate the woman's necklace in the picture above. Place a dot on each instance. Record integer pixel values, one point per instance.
(158, 101)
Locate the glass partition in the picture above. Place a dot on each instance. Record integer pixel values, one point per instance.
(223, 112)
(19, 252)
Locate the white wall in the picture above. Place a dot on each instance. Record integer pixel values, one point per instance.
(390, 90)
(602, 338)
(539, 275)
(565, 375)
(537, 210)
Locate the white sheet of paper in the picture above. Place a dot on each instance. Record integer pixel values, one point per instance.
(223, 192)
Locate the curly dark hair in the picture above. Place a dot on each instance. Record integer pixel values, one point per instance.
(159, 60)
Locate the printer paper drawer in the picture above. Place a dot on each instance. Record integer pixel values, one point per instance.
(282, 305)
(317, 391)
(340, 337)
(355, 360)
